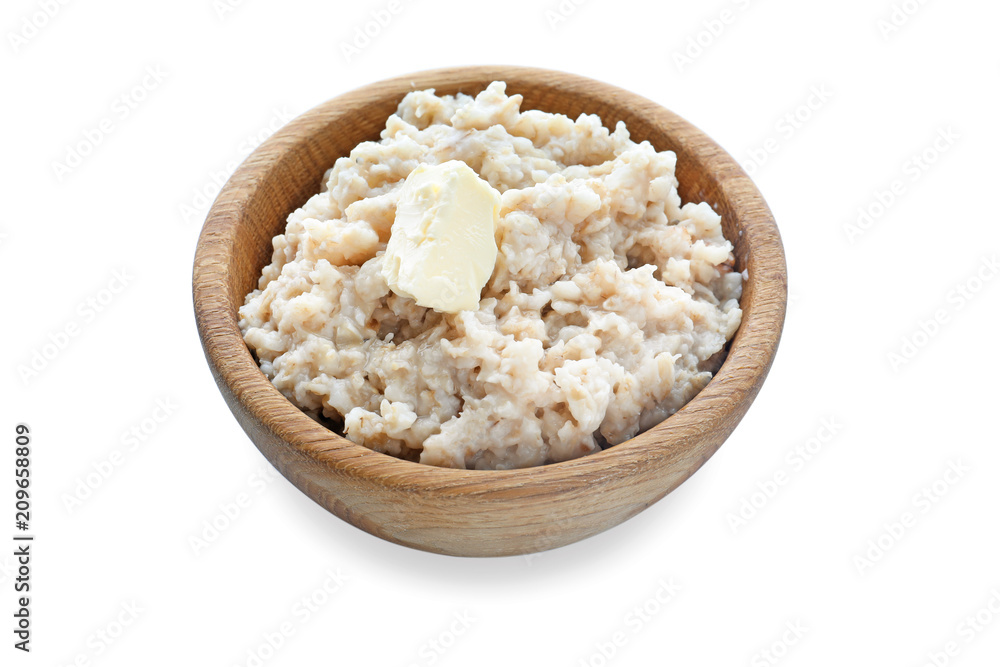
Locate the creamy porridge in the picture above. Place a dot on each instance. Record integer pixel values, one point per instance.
(607, 309)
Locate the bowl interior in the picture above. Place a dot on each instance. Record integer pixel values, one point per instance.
(289, 167)
(299, 174)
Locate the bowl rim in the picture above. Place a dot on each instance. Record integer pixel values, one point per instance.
(751, 350)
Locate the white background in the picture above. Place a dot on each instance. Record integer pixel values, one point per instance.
(230, 77)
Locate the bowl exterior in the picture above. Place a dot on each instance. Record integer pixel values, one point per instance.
(468, 512)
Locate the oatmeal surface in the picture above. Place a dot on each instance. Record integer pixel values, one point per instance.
(607, 310)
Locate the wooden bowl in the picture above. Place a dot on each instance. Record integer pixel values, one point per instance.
(470, 512)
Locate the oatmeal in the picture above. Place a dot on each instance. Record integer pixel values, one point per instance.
(608, 308)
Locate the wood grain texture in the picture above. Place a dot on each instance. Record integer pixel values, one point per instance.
(478, 513)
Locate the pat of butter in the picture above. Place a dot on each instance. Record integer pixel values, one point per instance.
(441, 249)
